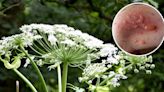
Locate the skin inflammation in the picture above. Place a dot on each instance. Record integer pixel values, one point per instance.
(138, 29)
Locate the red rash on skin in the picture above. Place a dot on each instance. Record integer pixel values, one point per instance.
(137, 28)
(142, 42)
(150, 27)
(135, 21)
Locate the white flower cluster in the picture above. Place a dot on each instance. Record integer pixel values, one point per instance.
(55, 44)
(64, 34)
(12, 44)
(101, 70)
(14, 41)
(93, 70)
(112, 69)
(32, 28)
(139, 62)
(69, 43)
(115, 77)
(108, 50)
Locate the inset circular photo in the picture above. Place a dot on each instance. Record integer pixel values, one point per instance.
(138, 29)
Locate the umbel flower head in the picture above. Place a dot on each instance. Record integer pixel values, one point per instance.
(10, 45)
(15, 41)
(61, 43)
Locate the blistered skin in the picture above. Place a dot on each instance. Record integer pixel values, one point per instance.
(138, 29)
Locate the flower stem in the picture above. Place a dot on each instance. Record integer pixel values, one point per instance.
(37, 70)
(104, 81)
(64, 76)
(25, 80)
(59, 78)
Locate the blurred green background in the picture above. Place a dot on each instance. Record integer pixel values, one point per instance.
(92, 16)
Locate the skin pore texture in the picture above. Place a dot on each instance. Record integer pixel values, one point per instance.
(138, 29)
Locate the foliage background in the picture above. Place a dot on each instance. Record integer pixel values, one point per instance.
(92, 16)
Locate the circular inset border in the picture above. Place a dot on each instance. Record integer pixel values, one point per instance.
(121, 11)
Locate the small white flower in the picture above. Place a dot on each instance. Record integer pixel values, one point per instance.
(111, 74)
(93, 43)
(90, 81)
(152, 66)
(107, 50)
(25, 28)
(45, 28)
(109, 65)
(80, 90)
(142, 67)
(115, 79)
(147, 65)
(114, 82)
(112, 60)
(148, 72)
(136, 70)
(80, 79)
(52, 39)
(104, 61)
(118, 57)
(61, 28)
(27, 63)
(39, 62)
(75, 33)
(124, 77)
(46, 55)
(94, 69)
(68, 42)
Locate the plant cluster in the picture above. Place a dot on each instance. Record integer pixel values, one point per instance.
(103, 65)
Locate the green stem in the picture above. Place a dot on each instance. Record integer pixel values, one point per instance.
(25, 80)
(104, 81)
(37, 70)
(98, 81)
(59, 78)
(128, 66)
(64, 76)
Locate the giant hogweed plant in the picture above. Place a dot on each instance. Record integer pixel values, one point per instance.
(103, 65)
